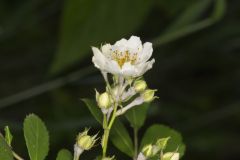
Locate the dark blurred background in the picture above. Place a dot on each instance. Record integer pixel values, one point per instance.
(45, 67)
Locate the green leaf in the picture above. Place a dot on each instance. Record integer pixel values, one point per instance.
(88, 23)
(64, 154)
(94, 109)
(137, 115)
(36, 137)
(121, 139)
(8, 135)
(5, 150)
(157, 131)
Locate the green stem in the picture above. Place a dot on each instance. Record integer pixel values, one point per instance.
(107, 131)
(135, 130)
(105, 141)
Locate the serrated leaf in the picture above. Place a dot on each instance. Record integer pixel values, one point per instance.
(137, 115)
(121, 139)
(157, 131)
(5, 150)
(36, 137)
(94, 109)
(8, 135)
(64, 154)
(88, 23)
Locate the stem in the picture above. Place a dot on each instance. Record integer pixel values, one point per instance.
(77, 152)
(135, 130)
(105, 142)
(17, 156)
(107, 131)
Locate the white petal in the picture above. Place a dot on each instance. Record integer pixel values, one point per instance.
(98, 58)
(134, 42)
(122, 42)
(106, 49)
(129, 70)
(144, 67)
(113, 67)
(146, 52)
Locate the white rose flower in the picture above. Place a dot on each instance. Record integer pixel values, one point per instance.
(128, 58)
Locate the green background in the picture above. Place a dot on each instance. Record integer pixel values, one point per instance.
(46, 68)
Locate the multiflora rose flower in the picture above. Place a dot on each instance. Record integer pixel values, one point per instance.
(128, 58)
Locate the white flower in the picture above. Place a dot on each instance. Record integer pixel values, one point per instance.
(126, 57)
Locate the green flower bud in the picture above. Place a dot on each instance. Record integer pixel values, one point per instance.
(104, 100)
(148, 150)
(162, 143)
(171, 156)
(84, 141)
(148, 95)
(140, 85)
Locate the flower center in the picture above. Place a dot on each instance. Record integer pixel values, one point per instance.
(122, 57)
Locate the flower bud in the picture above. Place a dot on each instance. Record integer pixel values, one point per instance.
(148, 150)
(84, 141)
(148, 95)
(171, 156)
(104, 100)
(140, 85)
(162, 143)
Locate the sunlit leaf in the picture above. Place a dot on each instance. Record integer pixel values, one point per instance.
(5, 151)
(36, 137)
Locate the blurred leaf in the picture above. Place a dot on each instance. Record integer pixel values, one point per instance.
(64, 154)
(121, 139)
(191, 13)
(118, 134)
(36, 137)
(219, 9)
(87, 23)
(171, 7)
(160, 131)
(94, 109)
(137, 115)
(217, 14)
(8, 135)
(5, 150)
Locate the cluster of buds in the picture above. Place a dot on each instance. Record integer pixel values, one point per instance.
(147, 95)
(83, 142)
(152, 150)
